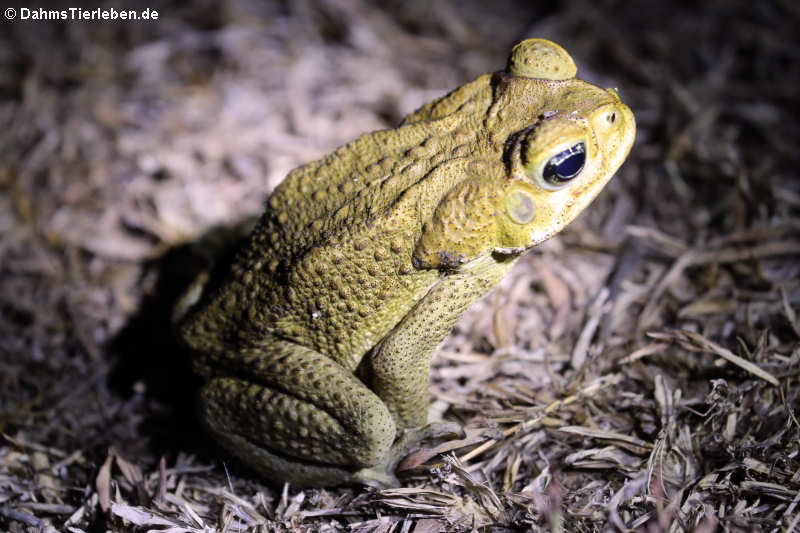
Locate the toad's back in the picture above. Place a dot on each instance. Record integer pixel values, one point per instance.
(330, 262)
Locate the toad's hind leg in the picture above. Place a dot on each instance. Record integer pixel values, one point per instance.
(299, 417)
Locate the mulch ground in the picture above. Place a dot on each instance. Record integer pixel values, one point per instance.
(637, 372)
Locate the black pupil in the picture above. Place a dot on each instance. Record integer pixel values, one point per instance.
(565, 165)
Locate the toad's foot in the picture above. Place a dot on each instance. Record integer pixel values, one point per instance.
(382, 475)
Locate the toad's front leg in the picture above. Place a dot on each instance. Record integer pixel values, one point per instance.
(398, 369)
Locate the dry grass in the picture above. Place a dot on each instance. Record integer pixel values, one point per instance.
(638, 372)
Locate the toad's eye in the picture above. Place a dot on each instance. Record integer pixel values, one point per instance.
(564, 166)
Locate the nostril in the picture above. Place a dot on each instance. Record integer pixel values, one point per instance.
(612, 118)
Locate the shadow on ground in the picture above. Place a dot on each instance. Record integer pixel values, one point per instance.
(149, 355)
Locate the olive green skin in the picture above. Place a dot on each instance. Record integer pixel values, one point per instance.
(316, 340)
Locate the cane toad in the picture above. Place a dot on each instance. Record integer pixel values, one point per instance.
(315, 340)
